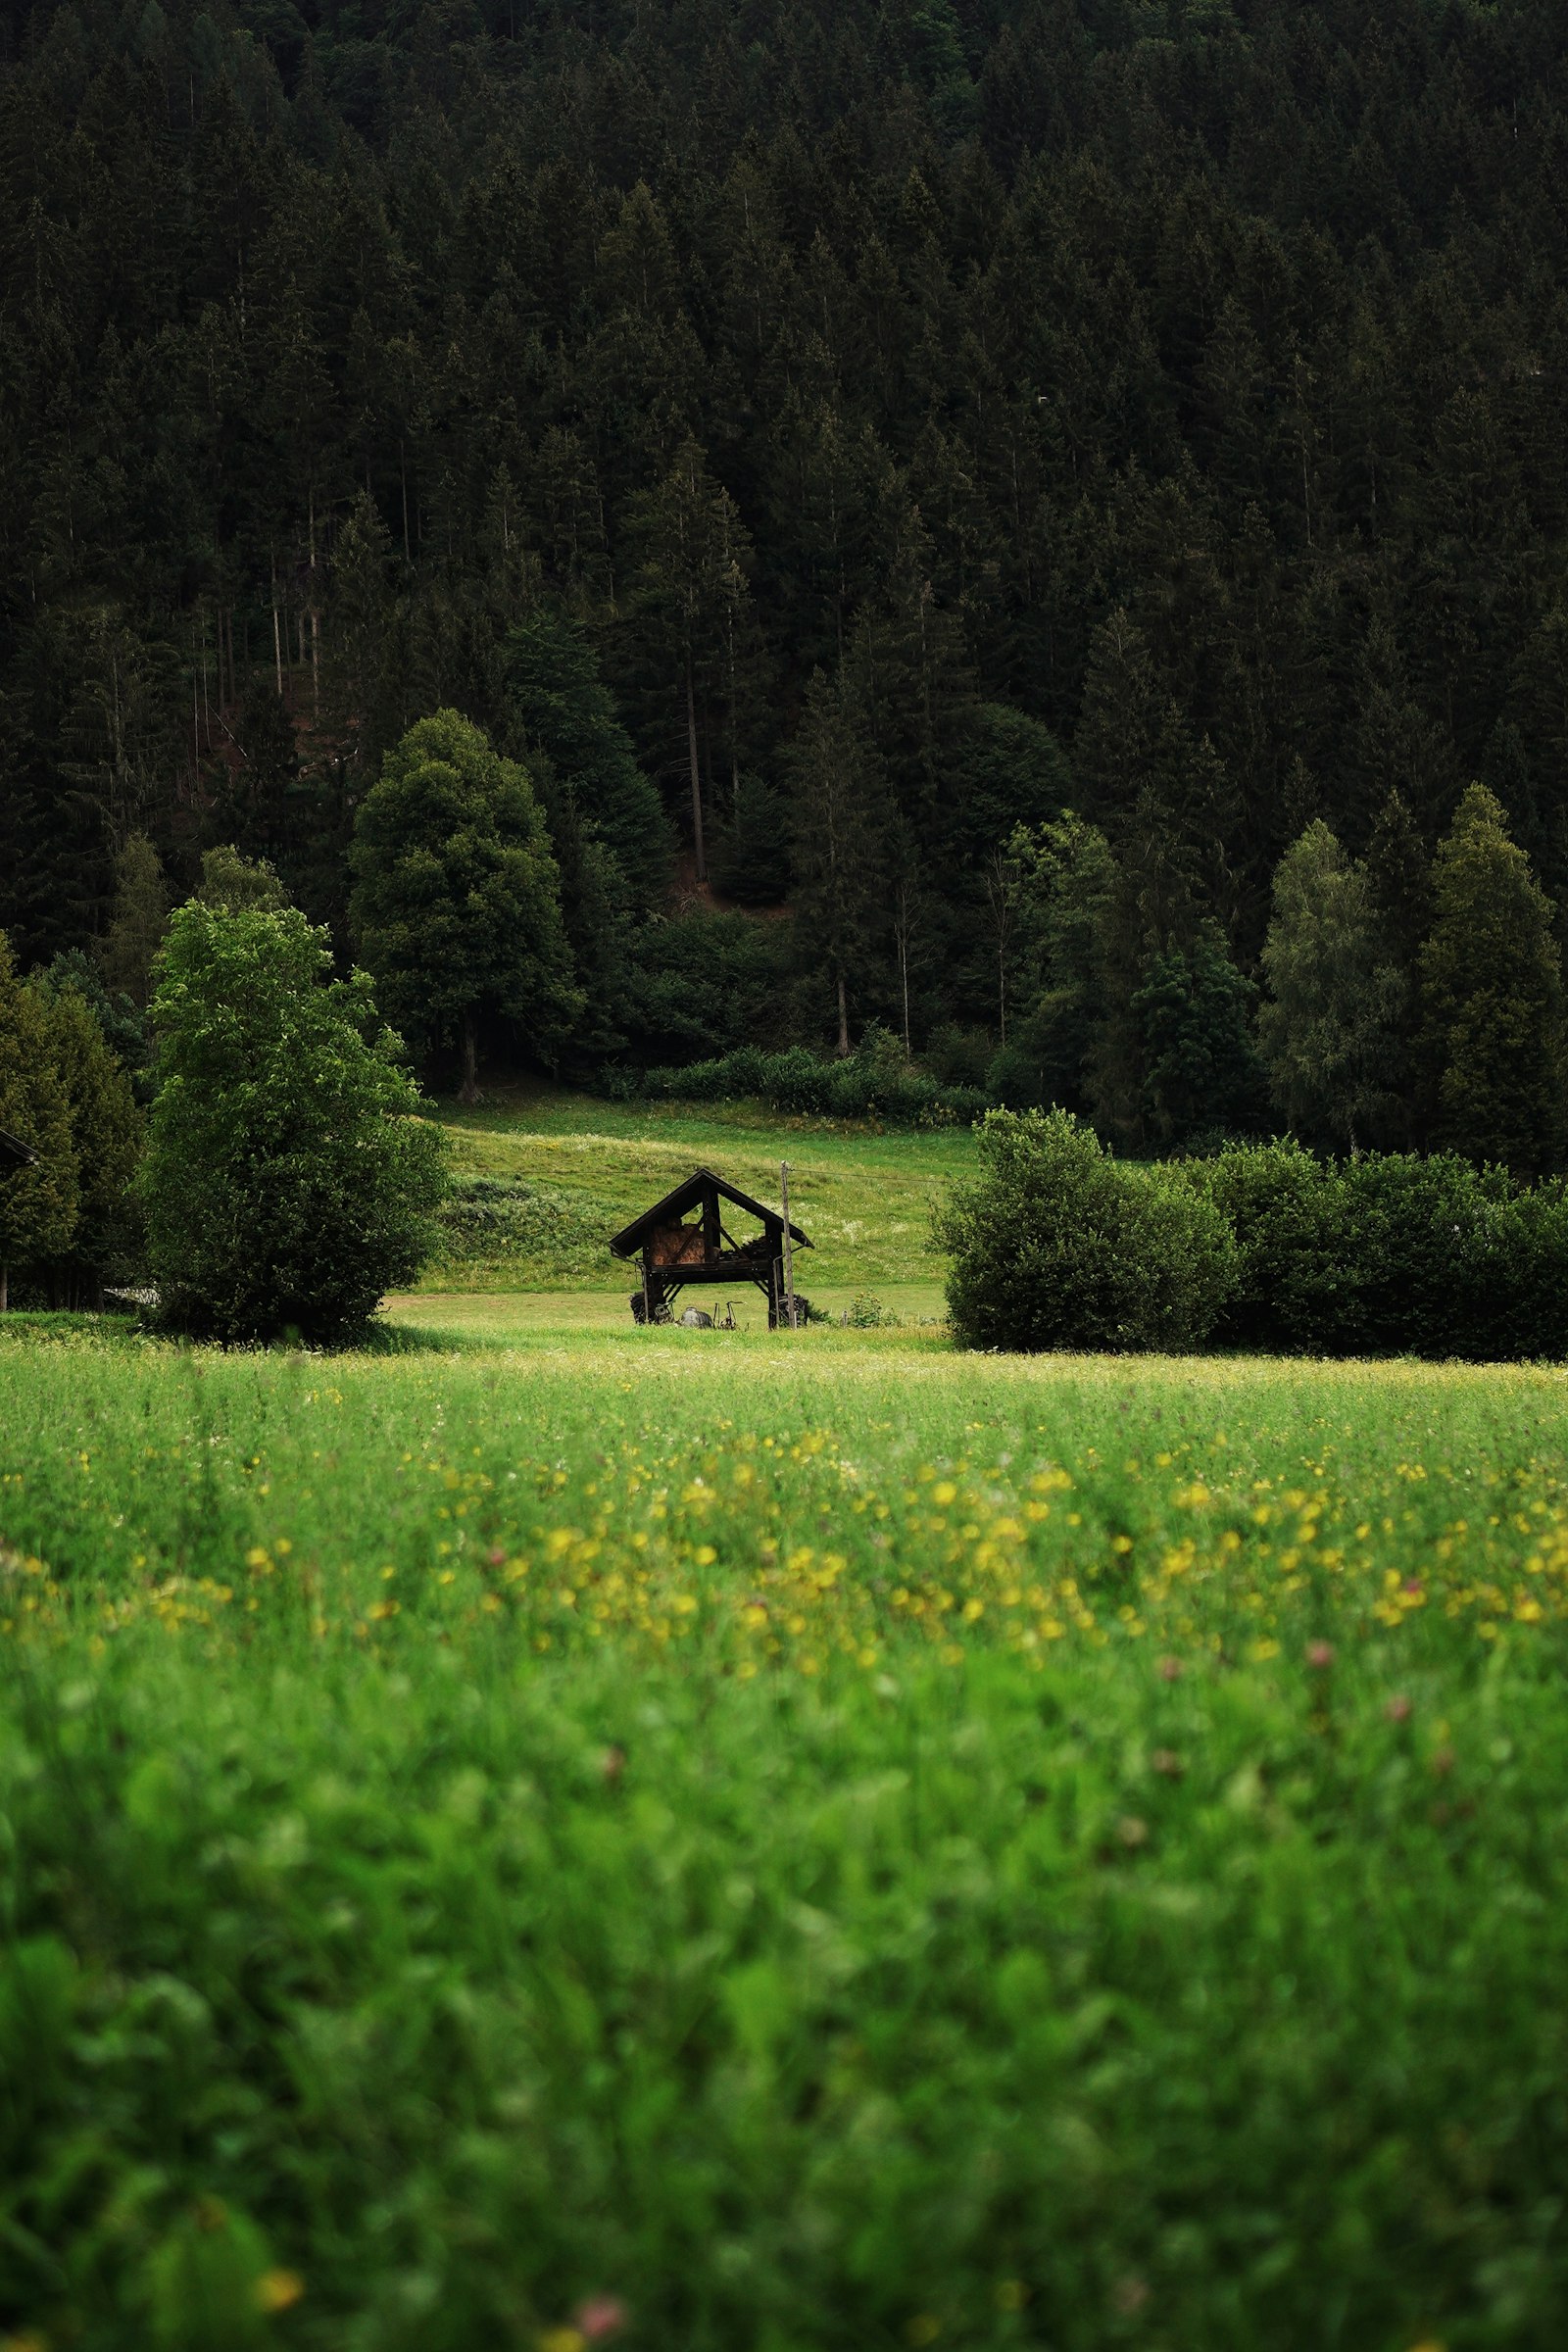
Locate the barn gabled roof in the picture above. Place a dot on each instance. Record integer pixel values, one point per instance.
(687, 1194)
(21, 1155)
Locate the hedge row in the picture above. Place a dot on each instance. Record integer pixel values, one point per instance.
(1057, 1245)
(863, 1086)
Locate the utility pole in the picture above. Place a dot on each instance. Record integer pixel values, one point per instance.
(789, 1251)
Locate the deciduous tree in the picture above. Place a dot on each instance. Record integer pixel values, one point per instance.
(288, 1181)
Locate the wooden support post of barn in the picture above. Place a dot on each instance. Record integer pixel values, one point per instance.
(678, 1247)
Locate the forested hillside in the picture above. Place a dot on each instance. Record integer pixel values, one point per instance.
(818, 439)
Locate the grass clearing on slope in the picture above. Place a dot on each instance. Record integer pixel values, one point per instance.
(918, 1308)
(827, 1844)
(865, 1198)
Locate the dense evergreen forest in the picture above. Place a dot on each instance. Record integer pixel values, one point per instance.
(989, 478)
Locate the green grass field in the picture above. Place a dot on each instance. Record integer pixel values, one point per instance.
(864, 1196)
(747, 1844)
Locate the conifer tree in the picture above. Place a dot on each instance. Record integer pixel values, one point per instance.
(1491, 997)
(105, 1127)
(1118, 727)
(692, 590)
(1400, 875)
(1150, 911)
(140, 921)
(842, 820)
(355, 686)
(1200, 1066)
(560, 702)
(39, 1199)
(1068, 876)
(1329, 1031)
(751, 861)
(595, 914)
(457, 897)
(125, 1030)
(912, 671)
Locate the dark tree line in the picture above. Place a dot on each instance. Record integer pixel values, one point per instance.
(819, 438)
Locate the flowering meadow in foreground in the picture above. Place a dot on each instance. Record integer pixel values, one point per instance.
(710, 1843)
(781, 1540)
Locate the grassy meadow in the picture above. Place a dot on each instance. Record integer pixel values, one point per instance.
(864, 1196)
(542, 1833)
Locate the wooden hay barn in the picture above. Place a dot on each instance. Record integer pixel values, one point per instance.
(678, 1246)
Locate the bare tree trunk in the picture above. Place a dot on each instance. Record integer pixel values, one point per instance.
(697, 781)
(1000, 889)
(844, 1017)
(469, 1091)
(5, 1287)
(316, 624)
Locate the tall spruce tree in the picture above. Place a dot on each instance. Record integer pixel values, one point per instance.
(842, 821)
(1200, 1070)
(139, 920)
(1330, 1028)
(1491, 997)
(1068, 877)
(106, 1127)
(39, 1199)
(559, 701)
(457, 896)
(693, 595)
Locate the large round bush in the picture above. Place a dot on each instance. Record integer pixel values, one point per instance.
(1057, 1246)
(286, 1183)
(1295, 1285)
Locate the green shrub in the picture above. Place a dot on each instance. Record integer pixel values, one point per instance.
(1281, 1205)
(1389, 1255)
(1057, 1246)
(1529, 1248)
(288, 1184)
(1444, 1259)
(870, 1083)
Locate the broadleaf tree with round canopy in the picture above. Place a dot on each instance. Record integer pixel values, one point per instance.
(457, 899)
(288, 1180)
